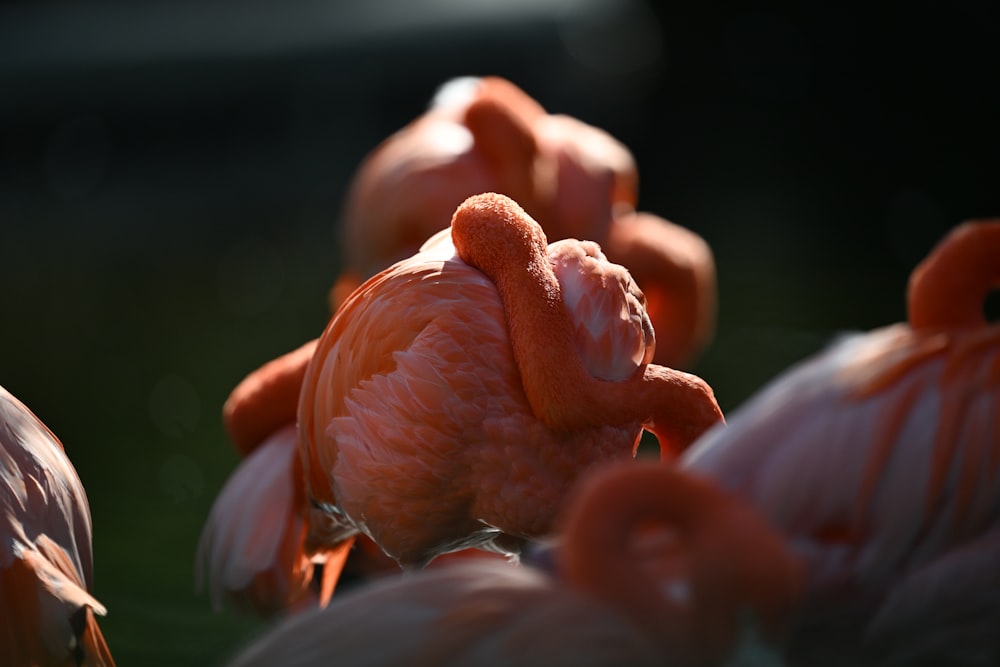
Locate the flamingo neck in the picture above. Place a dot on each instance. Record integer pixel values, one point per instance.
(629, 542)
(492, 233)
(686, 562)
(947, 289)
(266, 400)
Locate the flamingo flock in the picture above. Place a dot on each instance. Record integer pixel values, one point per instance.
(646, 573)
(435, 404)
(467, 427)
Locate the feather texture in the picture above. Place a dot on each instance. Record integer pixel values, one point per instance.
(878, 459)
(46, 568)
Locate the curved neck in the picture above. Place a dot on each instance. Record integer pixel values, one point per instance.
(630, 540)
(686, 562)
(492, 233)
(267, 399)
(948, 288)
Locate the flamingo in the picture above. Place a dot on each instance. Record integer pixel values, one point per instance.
(486, 134)
(878, 459)
(654, 566)
(47, 613)
(456, 396)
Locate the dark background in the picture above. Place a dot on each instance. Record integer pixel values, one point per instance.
(171, 176)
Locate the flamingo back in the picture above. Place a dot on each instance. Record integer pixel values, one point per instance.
(413, 411)
(880, 458)
(871, 452)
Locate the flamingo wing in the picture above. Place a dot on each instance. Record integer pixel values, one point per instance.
(867, 480)
(46, 609)
(612, 331)
(409, 373)
(42, 492)
(879, 458)
(251, 547)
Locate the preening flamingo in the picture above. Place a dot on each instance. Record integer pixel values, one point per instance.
(880, 460)
(655, 567)
(456, 396)
(487, 135)
(449, 406)
(47, 613)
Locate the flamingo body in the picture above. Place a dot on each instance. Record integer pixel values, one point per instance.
(635, 535)
(47, 613)
(441, 416)
(452, 401)
(879, 459)
(419, 361)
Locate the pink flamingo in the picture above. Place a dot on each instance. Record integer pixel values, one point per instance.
(654, 567)
(47, 614)
(456, 396)
(879, 460)
(577, 181)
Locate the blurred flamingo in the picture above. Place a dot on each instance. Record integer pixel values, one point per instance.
(487, 135)
(879, 458)
(47, 614)
(448, 406)
(654, 567)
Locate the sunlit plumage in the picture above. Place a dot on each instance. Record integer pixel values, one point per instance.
(251, 553)
(47, 612)
(880, 460)
(455, 397)
(654, 567)
(448, 406)
(487, 135)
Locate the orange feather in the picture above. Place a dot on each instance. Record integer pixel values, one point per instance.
(449, 402)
